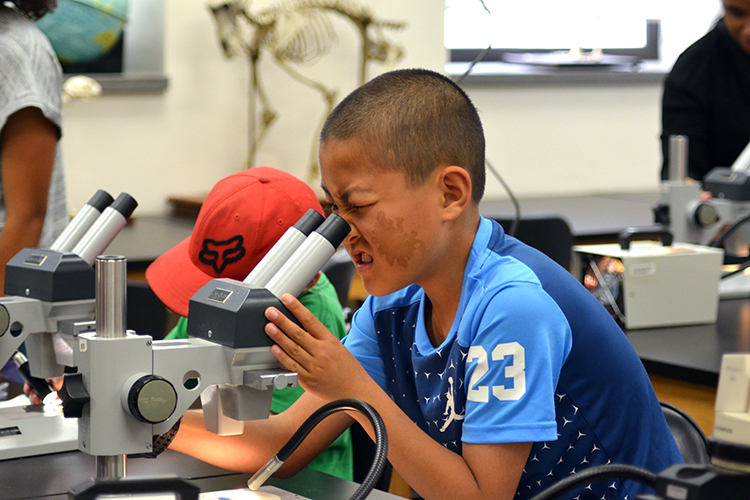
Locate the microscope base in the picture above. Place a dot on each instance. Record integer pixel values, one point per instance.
(28, 431)
(264, 493)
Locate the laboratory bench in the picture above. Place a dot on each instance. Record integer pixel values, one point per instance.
(52, 476)
(693, 353)
(144, 239)
(592, 218)
(688, 353)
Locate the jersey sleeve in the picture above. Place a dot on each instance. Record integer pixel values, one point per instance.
(513, 365)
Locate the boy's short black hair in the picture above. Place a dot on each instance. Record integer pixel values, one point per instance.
(412, 120)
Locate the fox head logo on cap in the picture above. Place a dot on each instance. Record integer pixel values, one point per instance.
(218, 254)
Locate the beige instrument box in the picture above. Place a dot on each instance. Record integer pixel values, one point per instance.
(650, 285)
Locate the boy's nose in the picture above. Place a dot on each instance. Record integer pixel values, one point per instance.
(353, 234)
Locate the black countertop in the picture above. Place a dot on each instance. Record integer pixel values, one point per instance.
(52, 476)
(693, 353)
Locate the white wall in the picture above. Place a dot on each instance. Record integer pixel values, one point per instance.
(545, 139)
(560, 139)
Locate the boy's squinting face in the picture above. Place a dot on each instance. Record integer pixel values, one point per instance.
(737, 19)
(390, 240)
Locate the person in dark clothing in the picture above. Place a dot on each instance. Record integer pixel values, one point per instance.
(707, 95)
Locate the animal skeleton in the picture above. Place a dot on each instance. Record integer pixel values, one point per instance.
(297, 32)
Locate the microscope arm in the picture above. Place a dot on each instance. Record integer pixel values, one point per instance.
(192, 366)
(37, 323)
(19, 317)
(134, 388)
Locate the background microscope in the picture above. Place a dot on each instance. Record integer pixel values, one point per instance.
(713, 214)
(50, 299)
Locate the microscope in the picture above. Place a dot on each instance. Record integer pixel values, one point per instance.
(131, 389)
(50, 299)
(728, 475)
(718, 221)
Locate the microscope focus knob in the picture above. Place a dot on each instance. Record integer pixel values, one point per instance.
(152, 399)
(705, 215)
(73, 395)
(661, 214)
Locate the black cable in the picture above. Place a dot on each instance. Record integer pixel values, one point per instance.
(381, 440)
(741, 269)
(516, 205)
(720, 239)
(609, 471)
(473, 63)
(481, 55)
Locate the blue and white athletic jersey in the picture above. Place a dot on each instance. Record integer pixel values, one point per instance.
(531, 357)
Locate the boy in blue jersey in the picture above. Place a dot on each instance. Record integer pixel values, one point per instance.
(496, 373)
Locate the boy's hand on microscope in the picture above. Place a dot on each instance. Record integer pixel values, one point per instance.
(323, 365)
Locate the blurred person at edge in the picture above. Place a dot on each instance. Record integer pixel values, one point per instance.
(707, 95)
(33, 204)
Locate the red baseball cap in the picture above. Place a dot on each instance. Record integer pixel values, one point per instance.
(240, 220)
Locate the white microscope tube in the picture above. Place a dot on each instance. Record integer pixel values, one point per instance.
(309, 258)
(106, 227)
(81, 223)
(284, 248)
(742, 163)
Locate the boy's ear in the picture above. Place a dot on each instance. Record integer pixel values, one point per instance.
(455, 185)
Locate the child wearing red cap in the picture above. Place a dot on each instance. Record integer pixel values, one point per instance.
(241, 219)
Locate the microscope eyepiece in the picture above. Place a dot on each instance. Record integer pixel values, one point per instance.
(105, 228)
(101, 200)
(334, 229)
(309, 258)
(125, 204)
(82, 222)
(309, 222)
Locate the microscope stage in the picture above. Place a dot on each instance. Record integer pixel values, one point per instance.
(263, 493)
(35, 430)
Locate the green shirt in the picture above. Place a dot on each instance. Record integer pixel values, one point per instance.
(322, 301)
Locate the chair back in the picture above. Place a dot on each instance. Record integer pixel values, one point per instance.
(548, 233)
(363, 449)
(687, 434)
